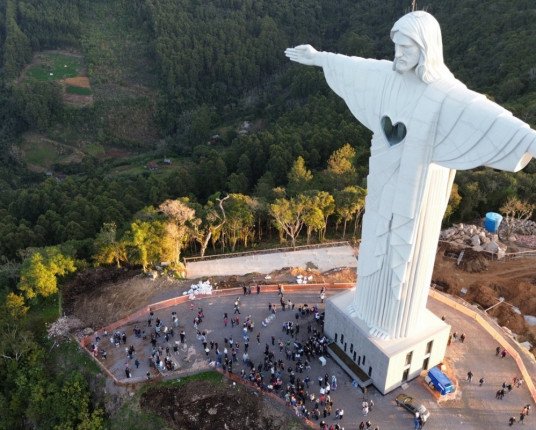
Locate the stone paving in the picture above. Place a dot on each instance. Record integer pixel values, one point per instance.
(474, 406)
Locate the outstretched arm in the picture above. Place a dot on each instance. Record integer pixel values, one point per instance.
(358, 81)
(304, 54)
(473, 131)
(532, 148)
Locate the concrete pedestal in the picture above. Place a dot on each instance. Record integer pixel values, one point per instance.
(389, 363)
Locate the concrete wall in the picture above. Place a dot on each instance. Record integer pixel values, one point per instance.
(384, 359)
(397, 363)
(339, 326)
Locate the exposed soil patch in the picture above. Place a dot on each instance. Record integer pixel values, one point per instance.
(101, 296)
(207, 405)
(78, 81)
(483, 281)
(115, 153)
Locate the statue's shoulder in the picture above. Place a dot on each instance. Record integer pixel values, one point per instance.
(457, 94)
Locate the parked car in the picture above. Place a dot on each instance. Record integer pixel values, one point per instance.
(440, 381)
(409, 403)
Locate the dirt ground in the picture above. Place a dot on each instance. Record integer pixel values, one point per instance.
(78, 81)
(101, 296)
(482, 281)
(207, 405)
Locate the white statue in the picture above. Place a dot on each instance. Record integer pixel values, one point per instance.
(426, 124)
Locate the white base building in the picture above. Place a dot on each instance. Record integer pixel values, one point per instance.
(388, 363)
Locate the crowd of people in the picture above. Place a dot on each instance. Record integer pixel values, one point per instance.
(284, 366)
(281, 366)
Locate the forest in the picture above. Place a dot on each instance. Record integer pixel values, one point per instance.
(262, 153)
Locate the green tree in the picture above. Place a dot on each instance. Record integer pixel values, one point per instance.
(239, 214)
(313, 218)
(326, 203)
(15, 305)
(178, 227)
(40, 271)
(349, 203)
(341, 172)
(238, 183)
(109, 249)
(145, 241)
(211, 221)
(515, 213)
(16, 47)
(299, 178)
(288, 217)
(454, 202)
(39, 103)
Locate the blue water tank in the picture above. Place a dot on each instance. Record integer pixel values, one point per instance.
(492, 222)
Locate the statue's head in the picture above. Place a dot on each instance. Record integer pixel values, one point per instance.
(419, 30)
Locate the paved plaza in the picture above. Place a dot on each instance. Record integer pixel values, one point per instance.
(475, 407)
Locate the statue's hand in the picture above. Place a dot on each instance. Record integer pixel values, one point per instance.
(304, 54)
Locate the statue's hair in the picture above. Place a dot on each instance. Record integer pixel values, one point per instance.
(424, 30)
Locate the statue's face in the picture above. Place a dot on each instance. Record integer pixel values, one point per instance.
(407, 53)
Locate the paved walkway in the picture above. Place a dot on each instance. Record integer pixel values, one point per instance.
(475, 407)
(322, 258)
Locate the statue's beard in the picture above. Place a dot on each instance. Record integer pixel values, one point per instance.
(404, 69)
(395, 65)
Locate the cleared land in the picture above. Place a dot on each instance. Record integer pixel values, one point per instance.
(54, 65)
(42, 153)
(78, 81)
(103, 296)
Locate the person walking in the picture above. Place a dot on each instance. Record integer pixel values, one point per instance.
(469, 376)
(417, 421)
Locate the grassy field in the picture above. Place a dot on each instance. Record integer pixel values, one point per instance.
(54, 66)
(42, 153)
(94, 149)
(44, 311)
(78, 90)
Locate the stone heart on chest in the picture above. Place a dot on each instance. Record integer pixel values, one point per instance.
(394, 133)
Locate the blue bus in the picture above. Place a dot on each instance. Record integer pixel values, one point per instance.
(440, 381)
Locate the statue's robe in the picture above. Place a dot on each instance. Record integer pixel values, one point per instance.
(448, 127)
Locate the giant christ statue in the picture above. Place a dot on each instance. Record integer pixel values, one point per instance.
(426, 124)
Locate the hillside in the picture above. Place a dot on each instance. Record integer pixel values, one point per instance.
(136, 132)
